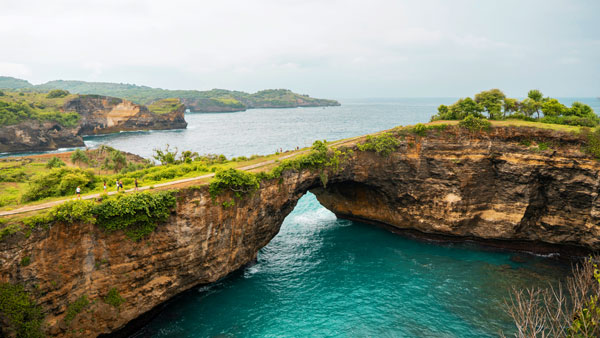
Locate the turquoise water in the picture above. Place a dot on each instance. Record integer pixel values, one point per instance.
(324, 277)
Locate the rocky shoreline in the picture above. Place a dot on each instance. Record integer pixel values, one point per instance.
(98, 115)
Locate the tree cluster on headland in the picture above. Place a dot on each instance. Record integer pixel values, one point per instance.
(494, 105)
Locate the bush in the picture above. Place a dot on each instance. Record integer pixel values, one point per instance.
(475, 123)
(114, 298)
(24, 316)
(589, 121)
(237, 181)
(137, 214)
(79, 156)
(58, 182)
(75, 308)
(12, 175)
(9, 230)
(57, 93)
(74, 211)
(383, 144)
(55, 162)
(593, 143)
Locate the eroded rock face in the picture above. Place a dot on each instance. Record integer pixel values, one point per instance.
(34, 135)
(487, 186)
(98, 115)
(104, 115)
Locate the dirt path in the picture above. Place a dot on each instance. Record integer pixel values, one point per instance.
(172, 184)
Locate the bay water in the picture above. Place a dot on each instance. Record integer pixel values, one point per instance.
(326, 277)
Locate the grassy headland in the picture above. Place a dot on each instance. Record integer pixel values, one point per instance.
(195, 100)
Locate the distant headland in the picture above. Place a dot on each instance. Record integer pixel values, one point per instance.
(215, 100)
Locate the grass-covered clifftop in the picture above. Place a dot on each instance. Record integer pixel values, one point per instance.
(214, 100)
(16, 107)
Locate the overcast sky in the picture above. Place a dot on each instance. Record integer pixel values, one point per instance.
(325, 48)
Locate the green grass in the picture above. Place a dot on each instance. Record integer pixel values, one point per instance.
(165, 106)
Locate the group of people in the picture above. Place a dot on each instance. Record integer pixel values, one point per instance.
(280, 150)
(118, 184)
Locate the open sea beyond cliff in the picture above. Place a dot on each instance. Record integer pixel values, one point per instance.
(325, 277)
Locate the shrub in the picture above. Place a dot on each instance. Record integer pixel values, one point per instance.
(58, 182)
(42, 220)
(383, 144)
(12, 175)
(26, 261)
(75, 308)
(593, 143)
(57, 93)
(420, 129)
(137, 214)
(114, 298)
(9, 230)
(74, 211)
(79, 156)
(55, 162)
(24, 315)
(475, 123)
(237, 181)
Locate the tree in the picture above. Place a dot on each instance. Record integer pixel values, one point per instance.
(580, 109)
(119, 160)
(79, 156)
(511, 106)
(491, 101)
(165, 156)
(528, 107)
(537, 97)
(552, 107)
(55, 162)
(465, 107)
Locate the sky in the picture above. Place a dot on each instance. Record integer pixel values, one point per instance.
(324, 48)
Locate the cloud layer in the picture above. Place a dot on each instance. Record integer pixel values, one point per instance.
(324, 48)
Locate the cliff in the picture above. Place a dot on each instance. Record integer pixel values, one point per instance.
(500, 185)
(76, 116)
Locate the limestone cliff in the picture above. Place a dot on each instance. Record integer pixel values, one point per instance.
(97, 115)
(485, 185)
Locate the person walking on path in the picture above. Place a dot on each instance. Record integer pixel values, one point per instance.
(104, 186)
(136, 185)
(78, 192)
(121, 186)
(117, 182)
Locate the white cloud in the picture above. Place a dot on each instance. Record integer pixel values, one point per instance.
(324, 48)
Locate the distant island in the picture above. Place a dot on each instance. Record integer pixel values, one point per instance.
(215, 100)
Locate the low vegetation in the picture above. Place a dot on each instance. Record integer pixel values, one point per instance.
(23, 316)
(569, 310)
(136, 214)
(17, 107)
(76, 307)
(383, 144)
(165, 106)
(113, 298)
